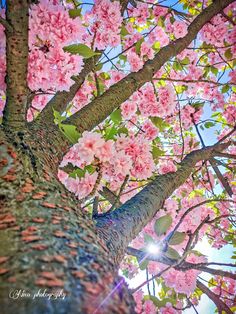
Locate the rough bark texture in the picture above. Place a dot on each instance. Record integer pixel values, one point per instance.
(47, 243)
(17, 63)
(122, 225)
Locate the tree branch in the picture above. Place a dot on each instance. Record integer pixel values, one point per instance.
(5, 23)
(17, 16)
(61, 99)
(122, 225)
(226, 155)
(184, 266)
(101, 107)
(221, 306)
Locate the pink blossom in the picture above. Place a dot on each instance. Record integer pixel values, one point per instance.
(89, 145)
(134, 60)
(168, 309)
(149, 307)
(128, 109)
(122, 163)
(150, 130)
(106, 151)
(180, 29)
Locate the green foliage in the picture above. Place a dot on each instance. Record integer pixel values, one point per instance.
(80, 173)
(143, 265)
(124, 31)
(172, 253)
(162, 224)
(156, 153)
(177, 238)
(81, 50)
(68, 130)
(209, 124)
(75, 13)
(138, 45)
(116, 116)
(159, 123)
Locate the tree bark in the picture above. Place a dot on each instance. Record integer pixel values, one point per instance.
(47, 242)
(121, 226)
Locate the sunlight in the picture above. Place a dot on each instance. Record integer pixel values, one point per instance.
(153, 248)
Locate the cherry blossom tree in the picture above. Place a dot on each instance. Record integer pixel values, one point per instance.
(117, 154)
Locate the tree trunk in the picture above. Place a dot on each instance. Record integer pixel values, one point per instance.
(47, 244)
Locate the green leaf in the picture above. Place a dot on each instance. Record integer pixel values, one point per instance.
(209, 124)
(162, 224)
(214, 70)
(138, 45)
(90, 169)
(185, 61)
(81, 50)
(172, 253)
(159, 123)
(70, 132)
(58, 118)
(157, 152)
(198, 105)
(156, 301)
(148, 239)
(215, 114)
(116, 116)
(78, 172)
(124, 31)
(110, 133)
(225, 88)
(177, 238)
(228, 54)
(143, 265)
(123, 130)
(98, 67)
(75, 13)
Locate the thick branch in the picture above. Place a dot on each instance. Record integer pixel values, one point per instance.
(221, 306)
(17, 64)
(95, 112)
(62, 99)
(122, 225)
(6, 24)
(184, 266)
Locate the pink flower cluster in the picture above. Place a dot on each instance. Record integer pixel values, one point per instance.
(134, 60)
(168, 309)
(146, 307)
(141, 12)
(150, 104)
(81, 187)
(229, 290)
(190, 115)
(106, 21)
(184, 282)
(125, 156)
(230, 114)
(215, 32)
(167, 166)
(51, 28)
